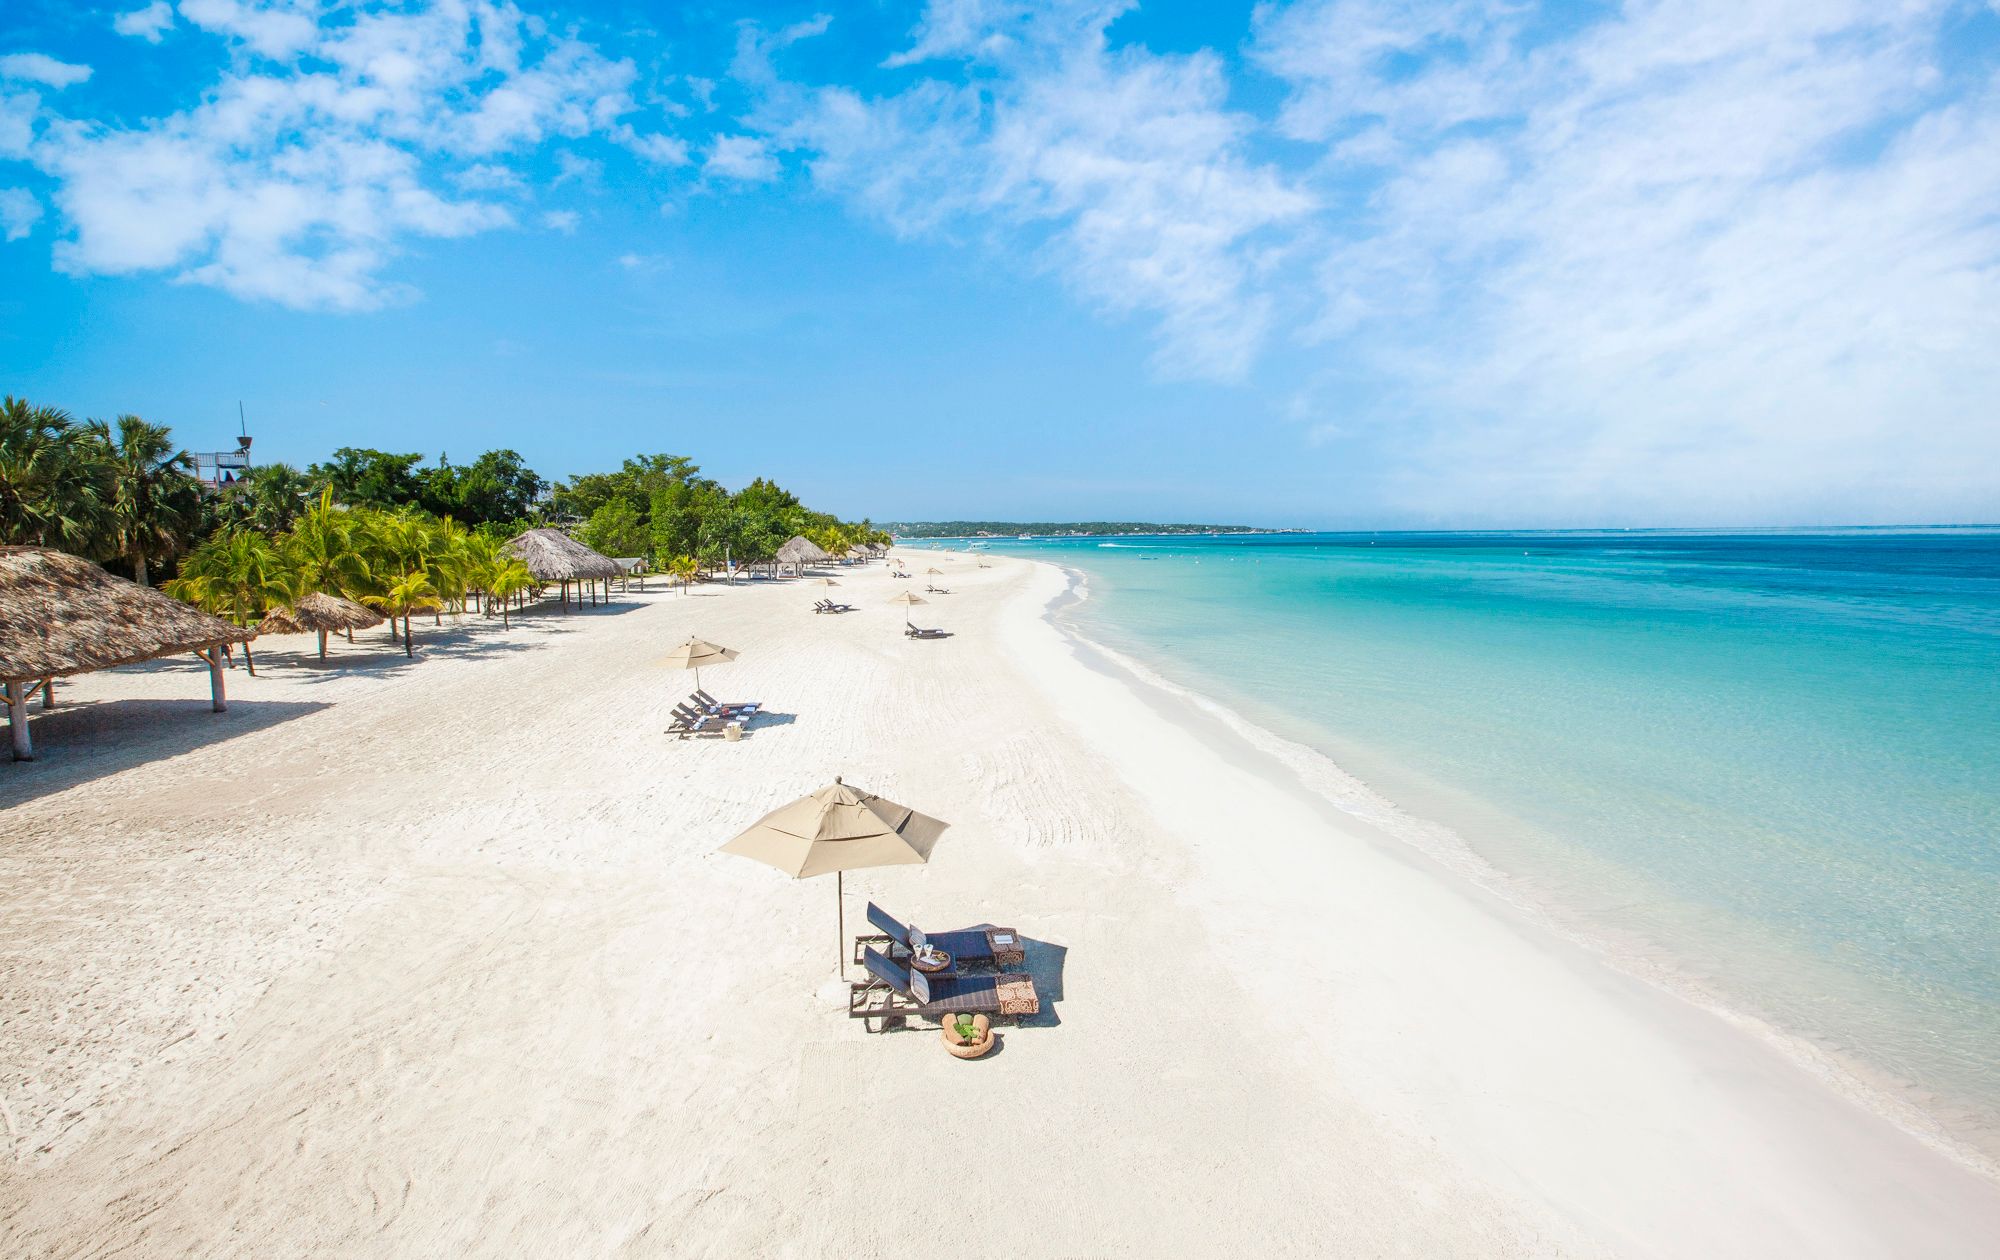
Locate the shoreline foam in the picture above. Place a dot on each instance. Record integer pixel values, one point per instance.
(1321, 774)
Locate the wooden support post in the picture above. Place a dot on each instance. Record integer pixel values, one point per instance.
(218, 698)
(48, 694)
(17, 718)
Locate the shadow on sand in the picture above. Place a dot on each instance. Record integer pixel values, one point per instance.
(76, 743)
(82, 740)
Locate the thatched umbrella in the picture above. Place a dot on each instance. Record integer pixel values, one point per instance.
(835, 830)
(553, 556)
(279, 621)
(907, 599)
(696, 653)
(802, 551)
(323, 614)
(60, 615)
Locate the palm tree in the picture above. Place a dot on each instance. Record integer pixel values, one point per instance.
(683, 569)
(481, 561)
(448, 561)
(155, 499)
(509, 578)
(55, 487)
(274, 497)
(325, 550)
(238, 576)
(411, 592)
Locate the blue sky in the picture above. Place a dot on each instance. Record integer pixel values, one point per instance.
(1327, 262)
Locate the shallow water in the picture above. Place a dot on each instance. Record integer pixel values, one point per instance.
(1772, 758)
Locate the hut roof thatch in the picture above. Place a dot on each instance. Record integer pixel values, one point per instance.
(331, 613)
(554, 556)
(801, 550)
(60, 614)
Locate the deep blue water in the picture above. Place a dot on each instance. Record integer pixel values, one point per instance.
(1772, 759)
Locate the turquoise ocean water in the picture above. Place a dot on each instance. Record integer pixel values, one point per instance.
(1768, 761)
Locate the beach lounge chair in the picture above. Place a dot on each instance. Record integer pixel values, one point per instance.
(687, 723)
(938, 590)
(893, 991)
(976, 947)
(919, 632)
(702, 700)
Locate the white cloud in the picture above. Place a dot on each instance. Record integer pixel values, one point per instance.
(489, 177)
(150, 23)
(18, 114)
(1125, 169)
(741, 158)
(564, 221)
(277, 29)
(570, 166)
(34, 67)
(336, 138)
(655, 147)
(19, 211)
(1697, 259)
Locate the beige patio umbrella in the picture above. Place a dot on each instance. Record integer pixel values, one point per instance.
(907, 598)
(933, 571)
(821, 581)
(835, 830)
(696, 653)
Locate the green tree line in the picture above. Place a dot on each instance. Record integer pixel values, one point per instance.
(376, 527)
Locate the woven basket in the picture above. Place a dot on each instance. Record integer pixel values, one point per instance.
(982, 1031)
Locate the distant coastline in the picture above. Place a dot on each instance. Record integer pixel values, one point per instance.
(1061, 529)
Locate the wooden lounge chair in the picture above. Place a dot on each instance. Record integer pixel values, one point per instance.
(919, 632)
(707, 703)
(975, 947)
(688, 724)
(893, 991)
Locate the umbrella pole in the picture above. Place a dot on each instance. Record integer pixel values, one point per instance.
(839, 922)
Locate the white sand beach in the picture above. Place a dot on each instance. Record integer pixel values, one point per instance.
(435, 957)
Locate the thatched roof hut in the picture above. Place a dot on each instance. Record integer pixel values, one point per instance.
(553, 556)
(801, 551)
(320, 613)
(329, 613)
(61, 615)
